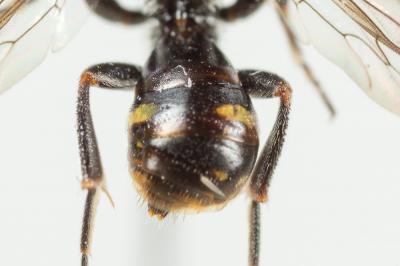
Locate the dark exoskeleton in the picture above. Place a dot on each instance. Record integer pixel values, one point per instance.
(192, 128)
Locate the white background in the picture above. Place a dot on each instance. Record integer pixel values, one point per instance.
(334, 198)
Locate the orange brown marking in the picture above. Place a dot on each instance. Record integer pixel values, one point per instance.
(159, 206)
(87, 78)
(260, 195)
(159, 214)
(285, 93)
(89, 183)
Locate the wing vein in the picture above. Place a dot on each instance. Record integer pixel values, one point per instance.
(8, 13)
(352, 10)
(32, 26)
(362, 19)
(343, 35)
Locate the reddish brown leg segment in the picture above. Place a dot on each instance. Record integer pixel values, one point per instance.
(107, 76)
(265, 85)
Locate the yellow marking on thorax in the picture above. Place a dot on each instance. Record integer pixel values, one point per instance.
(221, 175)
(142, 113)
(236, 112)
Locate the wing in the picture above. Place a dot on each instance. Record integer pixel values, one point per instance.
(360, 36)
(29, 29)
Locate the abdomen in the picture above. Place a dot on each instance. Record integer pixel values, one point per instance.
(191, 148)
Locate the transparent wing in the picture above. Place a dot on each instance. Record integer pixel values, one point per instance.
(360, 36)
(29, 29)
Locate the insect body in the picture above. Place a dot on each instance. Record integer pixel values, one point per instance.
(192, 128)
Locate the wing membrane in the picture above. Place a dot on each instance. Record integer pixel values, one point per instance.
(29, 29)
(360, 36)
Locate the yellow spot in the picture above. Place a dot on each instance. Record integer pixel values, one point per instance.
(139, 145)
(142, 113)
(236, 113)
(221, 175)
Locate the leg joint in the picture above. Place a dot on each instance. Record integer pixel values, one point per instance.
(87, 79)
(284, 91)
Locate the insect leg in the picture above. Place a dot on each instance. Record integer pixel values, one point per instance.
(254, 235)
(106, 76)
(111, 10)
(265, 85)
(282, 10)
(241, 8)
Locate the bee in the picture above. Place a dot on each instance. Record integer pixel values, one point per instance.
(231, 228)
